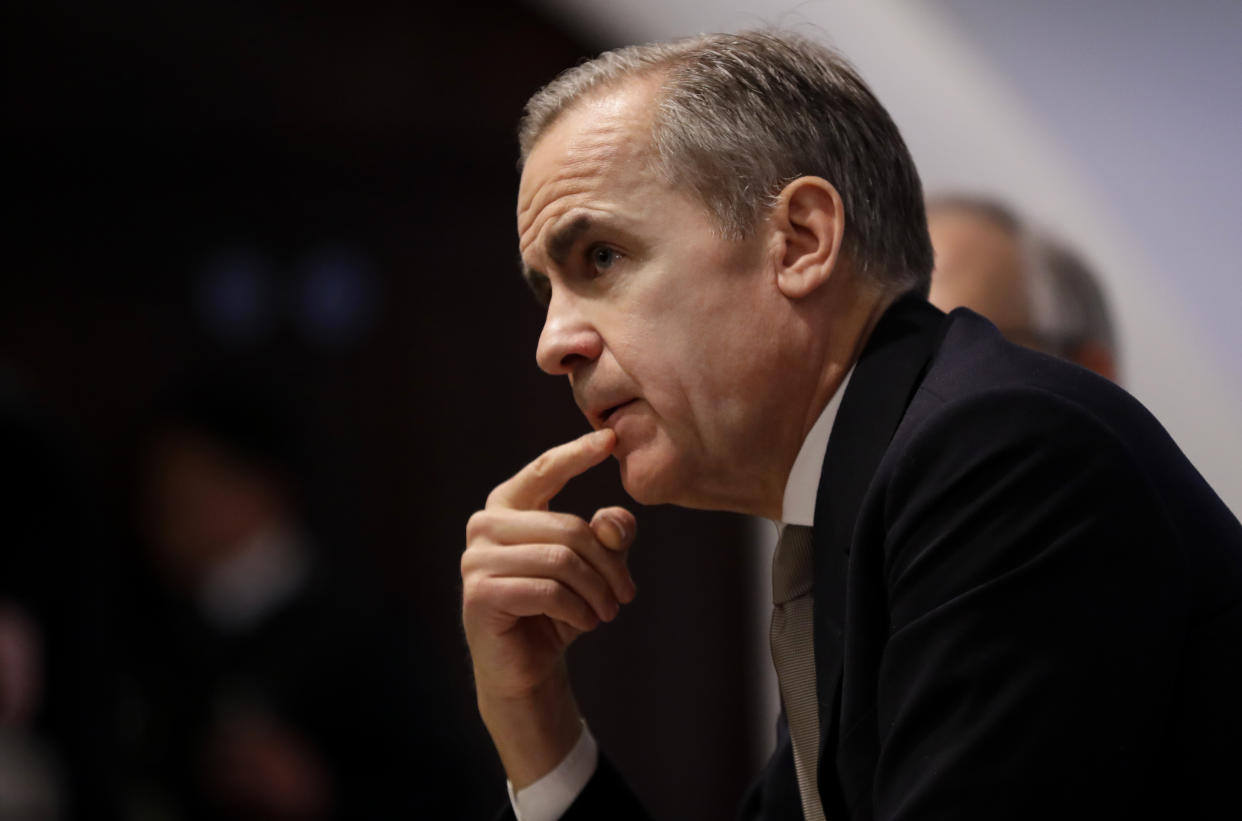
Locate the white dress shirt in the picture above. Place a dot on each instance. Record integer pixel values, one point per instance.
(548, 798)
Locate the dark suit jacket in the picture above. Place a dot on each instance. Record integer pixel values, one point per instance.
(1028, 604)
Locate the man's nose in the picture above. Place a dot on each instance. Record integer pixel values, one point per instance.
(568, 340)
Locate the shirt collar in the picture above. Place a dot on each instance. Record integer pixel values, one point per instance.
(802, 486)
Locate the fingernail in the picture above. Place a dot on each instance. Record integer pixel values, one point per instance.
(622, 533)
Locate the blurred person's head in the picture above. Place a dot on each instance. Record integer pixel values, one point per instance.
(214, 473)
(1035, 290)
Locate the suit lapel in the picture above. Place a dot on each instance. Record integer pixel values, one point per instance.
(885, 378)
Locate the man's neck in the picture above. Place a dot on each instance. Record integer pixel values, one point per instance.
(844, 335)
(847, 335)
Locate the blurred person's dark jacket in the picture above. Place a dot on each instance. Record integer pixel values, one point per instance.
(268, 678)
(328, 669)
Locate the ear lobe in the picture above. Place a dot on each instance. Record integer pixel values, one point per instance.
(809, 220)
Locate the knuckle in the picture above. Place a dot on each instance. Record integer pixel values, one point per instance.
(558, 558)
(477, 524)
(471, 592)
(542, 467)
(550, 590)
(472, 562)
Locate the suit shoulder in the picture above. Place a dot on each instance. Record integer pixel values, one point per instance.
(1005, 427)
(982, 393)
(1002, 436)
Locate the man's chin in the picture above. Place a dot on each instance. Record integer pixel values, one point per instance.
(647, 483)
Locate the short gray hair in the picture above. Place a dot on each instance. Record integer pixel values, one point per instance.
(739, 116)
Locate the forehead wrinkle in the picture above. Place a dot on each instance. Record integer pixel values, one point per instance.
(594, 151)
(550, 210)
(573, 186)
(583, 164)
(598, 142)
(570, 180)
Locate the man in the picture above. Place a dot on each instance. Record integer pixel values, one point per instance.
(1036, 290)
(1000, 592)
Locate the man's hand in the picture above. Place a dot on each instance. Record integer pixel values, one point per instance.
(532, 582)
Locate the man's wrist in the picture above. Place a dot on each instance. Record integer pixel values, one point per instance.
(532, 733)
(548, 798)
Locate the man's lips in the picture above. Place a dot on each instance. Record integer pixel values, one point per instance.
(605, 415)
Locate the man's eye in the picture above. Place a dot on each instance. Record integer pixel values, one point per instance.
(603, 257)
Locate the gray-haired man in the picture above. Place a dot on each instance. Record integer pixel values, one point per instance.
(1001, 590)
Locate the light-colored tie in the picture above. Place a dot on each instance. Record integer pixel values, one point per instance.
(793, 654)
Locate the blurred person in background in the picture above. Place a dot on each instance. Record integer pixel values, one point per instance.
(269, 685)
(30, 785)
(1037, 291)
(57, 734)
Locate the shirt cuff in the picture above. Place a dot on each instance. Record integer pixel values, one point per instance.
(549, 797)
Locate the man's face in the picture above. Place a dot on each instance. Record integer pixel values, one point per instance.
(667, 332)
(978, 266)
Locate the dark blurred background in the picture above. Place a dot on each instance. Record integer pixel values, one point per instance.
(263, 281)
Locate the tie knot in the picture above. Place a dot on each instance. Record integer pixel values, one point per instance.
(793, 567)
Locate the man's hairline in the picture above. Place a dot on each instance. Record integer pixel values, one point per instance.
(603, 89)
(657, 75)
(647, 152)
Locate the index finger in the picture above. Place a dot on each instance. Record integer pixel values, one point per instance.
(534, 485)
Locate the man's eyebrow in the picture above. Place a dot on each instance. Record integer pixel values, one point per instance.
(562, 240)
(559, 245)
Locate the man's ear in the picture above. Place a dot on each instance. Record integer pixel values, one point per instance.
(808, 221)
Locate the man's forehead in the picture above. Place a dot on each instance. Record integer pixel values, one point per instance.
(594, 135)
(570, 160)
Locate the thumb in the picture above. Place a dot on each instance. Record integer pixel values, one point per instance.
(615, 528)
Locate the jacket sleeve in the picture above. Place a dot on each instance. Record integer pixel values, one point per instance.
(1034, 598)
